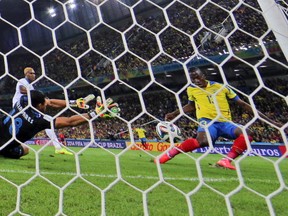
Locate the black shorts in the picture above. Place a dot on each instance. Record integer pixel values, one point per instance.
(12, 150)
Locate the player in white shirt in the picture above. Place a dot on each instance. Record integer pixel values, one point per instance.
(24, 84)
(22, 87)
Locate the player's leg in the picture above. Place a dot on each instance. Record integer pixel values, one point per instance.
(14, 150)
(186, 146)
(239, 144)
(143, 142)
(190, 144)
(25, 150)
(58, 148)
(231, 131)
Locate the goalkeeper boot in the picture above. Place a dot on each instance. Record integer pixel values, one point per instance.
(225, 163)
(163, 159)
(63, 151)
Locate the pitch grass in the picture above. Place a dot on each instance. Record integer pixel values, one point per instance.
(99, 185)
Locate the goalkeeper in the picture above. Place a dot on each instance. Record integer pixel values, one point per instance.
(22, 87)
(28, 120)
(200, 99)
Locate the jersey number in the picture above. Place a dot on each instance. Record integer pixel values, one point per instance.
(210, 99)
(18, 123)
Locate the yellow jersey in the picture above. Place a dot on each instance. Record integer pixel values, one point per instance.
(207, 99)
(141, 132)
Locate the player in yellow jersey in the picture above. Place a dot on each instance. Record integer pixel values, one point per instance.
(210, 100)
(141, 135)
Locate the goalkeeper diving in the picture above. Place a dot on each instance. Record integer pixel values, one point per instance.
(28, 119)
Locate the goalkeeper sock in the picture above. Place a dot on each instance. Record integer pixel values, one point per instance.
(51, 134)
(186, 146)
(238, 147)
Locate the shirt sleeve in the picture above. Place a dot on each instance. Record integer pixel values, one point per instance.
(45, 122)
(231, 94)
(190, 94)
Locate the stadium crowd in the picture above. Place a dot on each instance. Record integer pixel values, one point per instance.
(110, 44)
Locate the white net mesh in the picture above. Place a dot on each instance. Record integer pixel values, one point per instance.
(139, 53)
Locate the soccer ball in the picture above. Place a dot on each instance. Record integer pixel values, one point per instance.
(163, 129)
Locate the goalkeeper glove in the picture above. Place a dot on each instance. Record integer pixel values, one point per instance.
(113, 109)
(82, 102)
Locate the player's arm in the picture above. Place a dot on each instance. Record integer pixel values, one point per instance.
(71, 121)
(55, 103)
(76, 120)
(188, 108)
(80, 102)
(249, 109)
(23, 89)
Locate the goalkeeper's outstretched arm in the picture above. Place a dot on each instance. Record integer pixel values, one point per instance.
(81, 103)
(72, 121)
(113, 111)
(56, 103)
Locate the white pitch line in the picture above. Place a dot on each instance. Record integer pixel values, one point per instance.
(143, 177)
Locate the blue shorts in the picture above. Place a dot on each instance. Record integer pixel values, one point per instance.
(218, 129)
(143, 140)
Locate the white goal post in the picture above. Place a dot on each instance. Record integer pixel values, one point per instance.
(276, 20)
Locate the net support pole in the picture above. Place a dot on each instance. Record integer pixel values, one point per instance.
(277, 22)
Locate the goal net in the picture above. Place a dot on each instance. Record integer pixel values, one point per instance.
(139, 52)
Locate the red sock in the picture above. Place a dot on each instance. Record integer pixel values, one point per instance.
(238, 146)
(186, 146)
